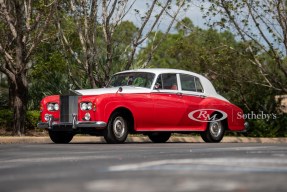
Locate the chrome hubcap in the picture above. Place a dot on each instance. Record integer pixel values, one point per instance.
(119, 127)
(215, 129)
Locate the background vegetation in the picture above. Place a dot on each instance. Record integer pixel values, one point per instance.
(246, 66)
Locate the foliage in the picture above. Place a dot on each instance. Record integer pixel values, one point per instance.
(271, 128)
(4, 96)
(6, 120)
(32, 119)
(262, 26)
(48, 76)
(102, 49)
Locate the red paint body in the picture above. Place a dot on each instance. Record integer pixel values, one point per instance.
(153, 111)
(155, 102)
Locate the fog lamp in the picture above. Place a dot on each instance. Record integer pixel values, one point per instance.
(87, 116)
(46, 117)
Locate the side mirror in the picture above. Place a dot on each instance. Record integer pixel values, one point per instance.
(119, 90)
(157, 86)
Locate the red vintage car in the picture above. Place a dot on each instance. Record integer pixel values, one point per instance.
(153, 102)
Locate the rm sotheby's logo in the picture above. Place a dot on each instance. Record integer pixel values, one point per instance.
(207, 115)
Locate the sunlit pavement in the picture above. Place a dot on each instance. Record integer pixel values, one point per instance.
(145, 167)
(136, 139)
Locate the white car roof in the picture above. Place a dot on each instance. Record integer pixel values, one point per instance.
(161, 70)
(209, 89)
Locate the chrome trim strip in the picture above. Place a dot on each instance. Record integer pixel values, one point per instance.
(176, 92)
(97, 124)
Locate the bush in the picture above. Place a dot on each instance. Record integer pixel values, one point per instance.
(268, 128)
(6, 120)
(32, 118)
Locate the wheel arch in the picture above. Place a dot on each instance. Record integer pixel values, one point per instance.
(126, 114)
(224, 121)
(208, 137)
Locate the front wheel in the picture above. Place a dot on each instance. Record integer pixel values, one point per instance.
(214, 132)
(60, 137)
(159, 137)
(117, 129)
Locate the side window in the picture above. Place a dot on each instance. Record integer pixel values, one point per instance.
(187, 82)
(190, 83)
(167, 81)
(198, 85)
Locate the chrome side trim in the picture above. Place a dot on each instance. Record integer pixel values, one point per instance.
(180, 93)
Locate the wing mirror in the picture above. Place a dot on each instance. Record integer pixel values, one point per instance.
(157, 86)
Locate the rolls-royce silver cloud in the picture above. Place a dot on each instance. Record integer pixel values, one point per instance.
(153, 102)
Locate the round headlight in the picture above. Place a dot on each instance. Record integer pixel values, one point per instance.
(87, 116)
(56, 107)
(90, 106)
(50, 107)
(84, 106)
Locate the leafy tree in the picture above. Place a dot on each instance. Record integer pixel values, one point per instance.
(261, 24)
(22, 28)
(49, 74)
(96, 24)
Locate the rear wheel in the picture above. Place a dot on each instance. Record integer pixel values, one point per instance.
(117, 129)
(60, 137)
(214, 132)
(159, 137)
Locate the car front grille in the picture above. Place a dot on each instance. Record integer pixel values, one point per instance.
(68, 107)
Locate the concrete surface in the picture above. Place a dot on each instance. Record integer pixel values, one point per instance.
(143, 167)
(179, 139)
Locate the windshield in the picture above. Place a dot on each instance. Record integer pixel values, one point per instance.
(137, 79)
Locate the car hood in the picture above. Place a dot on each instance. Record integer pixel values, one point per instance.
(101, 91)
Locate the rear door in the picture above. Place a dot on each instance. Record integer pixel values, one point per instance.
(193, 96)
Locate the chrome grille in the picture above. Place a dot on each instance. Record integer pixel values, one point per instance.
(68, 107)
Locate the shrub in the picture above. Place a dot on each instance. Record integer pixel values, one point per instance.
(32, 118)
(272, 128)
(6, 119)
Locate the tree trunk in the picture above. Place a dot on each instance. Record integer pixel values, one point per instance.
(19, 95)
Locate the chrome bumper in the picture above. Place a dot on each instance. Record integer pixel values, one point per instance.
(50, 124)
(78, 124)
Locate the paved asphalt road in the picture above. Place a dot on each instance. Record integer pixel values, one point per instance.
(136, 167)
